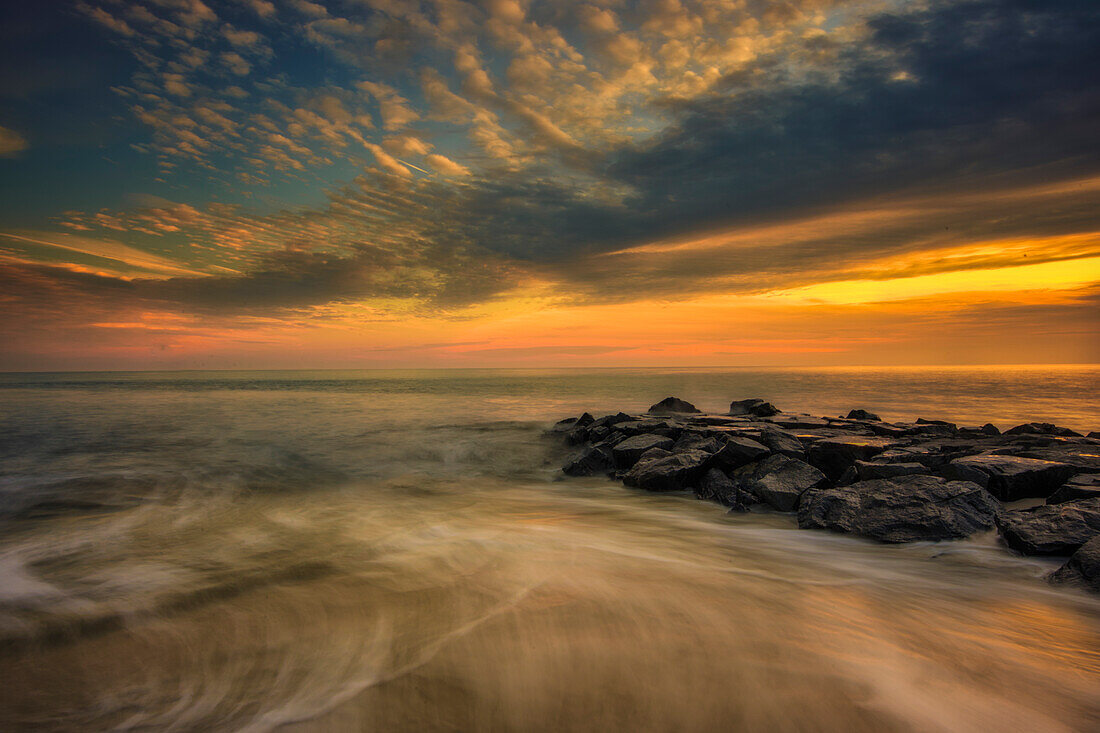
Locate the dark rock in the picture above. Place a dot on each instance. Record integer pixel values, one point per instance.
(905, 509)
(870, 470)
(1082, 486)
(780, 441)
(1083, 567)
(673, 472)
(1041, 428)
(671, 406)
(754, 407)
(1051, 529)
(1095, 434)
(1083, 457)
(736, 452)
(564, 426)
(863, 415)
(591, 461)
(989, 429)
(834, 455)
(650, 426)
(690, 439)
(1010, 478)
(940, 423)
(610, 420)
(780, 481)
(628, 452)
(850, 476)
(717, 486)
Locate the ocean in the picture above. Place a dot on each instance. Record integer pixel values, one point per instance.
(398, 551)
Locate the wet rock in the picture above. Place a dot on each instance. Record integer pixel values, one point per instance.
(1010, 478)
(1081, 486)
(781, 441)
(870, 470)
(834, 455)
(569, 423)
(905, 509)
(863, 415)
(628, 452)
(754, 407)
(650, 426)
(780, 481)
(590, 462)
(989, 429)
(717, 486)
(939, 423)
(736, 452)
(1084, 458)
(610, 420)
(674, 472)
(671, 406)
(1051, 529)
(1083, 567)
(1041, 428)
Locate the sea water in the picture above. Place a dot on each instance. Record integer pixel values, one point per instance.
(344, 551)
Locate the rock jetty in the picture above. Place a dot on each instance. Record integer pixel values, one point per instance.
(1037, 484)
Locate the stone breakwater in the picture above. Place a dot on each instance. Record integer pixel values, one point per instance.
(1038, 484)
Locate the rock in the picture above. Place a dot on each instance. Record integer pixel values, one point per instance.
(850, 476)
(834, 455)
(1010, 478)
(611, 420)
(1041, 428)
(628, 452)
(1083, 567)
(1051, 529)
(869, 470)
(989, 429)
(780, 481)
(699, 441)
(717, 486)
(1084, 458)
(736, 452)
(591, 461)
(905, 509)
(650, 426)
(671, 406)
(673, 472)
(754, 407)
(1081, 486)
(569, 423)
(863, 415)
(939, 423)
(780, 441)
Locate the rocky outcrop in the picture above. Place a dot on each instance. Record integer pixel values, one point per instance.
(927, 480)
(905, 509)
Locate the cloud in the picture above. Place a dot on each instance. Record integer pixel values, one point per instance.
(11, 143)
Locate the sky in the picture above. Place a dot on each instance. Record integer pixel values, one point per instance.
(191, 184)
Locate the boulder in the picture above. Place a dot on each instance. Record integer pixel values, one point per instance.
(1041, 428)
(780, 481)
(673, 472)
(937, 423)
(869, 470)
(1051, 529)
(649, 426)
(591, 461)
(736, 452)
(672, 406)
(781, 441)
(863, 415)
(628, 452)
(717, 486)
(834, 455)
(754, 407)
(569, 423)
(1010, 478)
(904, 509)
(1083, 567)
(989, 429)
(1081, 486)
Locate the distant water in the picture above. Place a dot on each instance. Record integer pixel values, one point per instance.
(396, 551)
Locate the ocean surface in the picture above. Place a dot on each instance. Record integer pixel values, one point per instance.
(397, 551)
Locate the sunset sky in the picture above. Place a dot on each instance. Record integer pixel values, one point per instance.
(392, 183)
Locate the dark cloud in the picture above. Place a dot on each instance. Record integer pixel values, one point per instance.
(963, 95)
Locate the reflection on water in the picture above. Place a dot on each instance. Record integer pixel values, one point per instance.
(338, 560)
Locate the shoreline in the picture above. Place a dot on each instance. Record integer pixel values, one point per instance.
(1037, 484)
